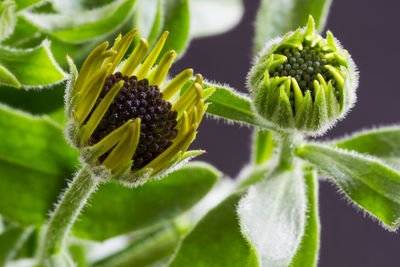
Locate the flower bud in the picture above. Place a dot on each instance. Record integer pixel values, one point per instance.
(126, 121)
(303, 81)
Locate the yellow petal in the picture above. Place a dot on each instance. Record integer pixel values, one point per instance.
(91, 64)
(134, 60)
(152, 57)
(158, 75)
(121, 48)
(89, 95)
(88, 129)
(125, 149)
(176, 84)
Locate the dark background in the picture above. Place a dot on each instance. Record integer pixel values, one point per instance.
(370, 31)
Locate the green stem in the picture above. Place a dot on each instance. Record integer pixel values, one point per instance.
(66, 212)
(287, 147)
(263, 146)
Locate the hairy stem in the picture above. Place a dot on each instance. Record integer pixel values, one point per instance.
(287, 147)
(263, 145)
(66, 212)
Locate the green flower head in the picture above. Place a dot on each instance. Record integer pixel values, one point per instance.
(304, 81)
(127, 121)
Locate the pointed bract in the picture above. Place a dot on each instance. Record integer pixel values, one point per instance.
(317, 76)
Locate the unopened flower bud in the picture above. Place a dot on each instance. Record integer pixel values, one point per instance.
(304, 81)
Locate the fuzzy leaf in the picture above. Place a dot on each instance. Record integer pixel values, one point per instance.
(116, 210)
(277, 17)
(8, 18)
(177, 22)
(22, 4)
(34, 159)
(33, 67)
(216, 240)
(23, 32)
(383, 143)
(229, 104)
(206, 19)
(35, 102)
(85, 25)
(365, 180)
(272, 217)
(307, 254)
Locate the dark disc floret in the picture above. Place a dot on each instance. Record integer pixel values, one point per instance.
(138, 99)
(304, 65)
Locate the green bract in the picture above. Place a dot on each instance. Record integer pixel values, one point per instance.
(303, 81)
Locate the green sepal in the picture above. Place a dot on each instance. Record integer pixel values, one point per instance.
(135, 178)
(332, 102)
(328, 107)
(283, 110)
(70, 100)
(320, 112)
(304, 115)
(177, 162)
(272, 98)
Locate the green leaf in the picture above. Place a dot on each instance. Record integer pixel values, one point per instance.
(23, 33)
(22, 4)
(176, 21)
(116, 210)
(149, 22)
(33, 67)
(79, 253)
(38, 102)
(216, 240)
(272, 217)
(307, 254)
(206, 19)
(35, 162)
(383, 143)
(147, 248)
(277, 17)
(71, 7)
(91, 24)
(229, 104)
(8, 18)
(10, 242)
(367, 181)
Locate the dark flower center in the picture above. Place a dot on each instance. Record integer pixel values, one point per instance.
(138, 99)
(304, 66)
